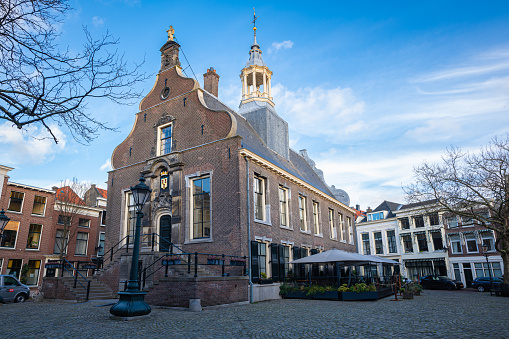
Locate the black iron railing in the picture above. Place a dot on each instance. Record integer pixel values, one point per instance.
(64, 264)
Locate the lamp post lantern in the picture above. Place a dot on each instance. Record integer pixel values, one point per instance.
(4, 220)
(131, 301)
(485, 249)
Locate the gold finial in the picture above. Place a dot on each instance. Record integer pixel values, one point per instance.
(170, 32)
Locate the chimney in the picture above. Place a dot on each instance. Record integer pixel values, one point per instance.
(369, 210)
(358, 207)
(211, 81)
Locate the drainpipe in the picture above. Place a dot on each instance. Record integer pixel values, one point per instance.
(249, 234)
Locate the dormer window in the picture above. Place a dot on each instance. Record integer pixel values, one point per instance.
(164, 139)
(375, 216)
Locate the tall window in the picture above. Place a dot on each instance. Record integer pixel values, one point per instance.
(130, 216)
(259, 199)
(258, 260)
(286, 255)
(302, 213)
(16, 201)
(365, 244)
(391, 240)
(59, 243)
(418, 221)
(39, 205)
(34, 267)
(165, 136)
(81, 243)
(332, 227)
(316, 220)
(10, 234)
(102, 237)
(201, 207)
(350, 229)
(422, 242)
(437, 241)
(452, 222)
(471, 243)
(103, 218)
(404, 223)
(379, 249)
(283, 207)
(488, 240)
(34, 236)
(407, 243)
(342, 226)
(434, 219)
(455, 243)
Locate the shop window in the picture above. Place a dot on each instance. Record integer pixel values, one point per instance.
(316, 219)
(14, 267)
(81, 243)
(34, 236)
(365, 244)
(200, 191)
(10, 234)
(437, 241)
(16, 201)
(471, 242)
(302, 213)
(259, 198)
(418, 221)
(39, 205)
(34, 267)
(407, 243)
(379, 249)
(404, 223)
(455, 244)
(391, 240)
(283, 207)
(422, 242)
(84, 222)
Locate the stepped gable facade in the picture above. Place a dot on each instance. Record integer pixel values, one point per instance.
(216, 173)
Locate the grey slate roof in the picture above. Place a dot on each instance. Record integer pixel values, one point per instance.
(417, 204)
(251, 141)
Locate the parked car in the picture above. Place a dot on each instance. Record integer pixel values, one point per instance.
(484, 283)
(440, 282)
(12, 290)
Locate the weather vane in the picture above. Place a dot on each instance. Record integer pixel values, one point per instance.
(254, 24)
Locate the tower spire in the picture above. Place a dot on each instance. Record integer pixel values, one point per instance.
(254, 25)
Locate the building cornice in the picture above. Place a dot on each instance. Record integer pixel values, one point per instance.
(10, 183)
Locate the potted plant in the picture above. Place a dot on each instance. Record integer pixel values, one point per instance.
(215, 260)
(322, 292)
(264, 280)
(417, 289)
(406, 294)
(359, 291)
(172, 260)
(237, 262)
(292, 292)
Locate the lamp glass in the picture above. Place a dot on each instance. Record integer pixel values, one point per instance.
(141, 193)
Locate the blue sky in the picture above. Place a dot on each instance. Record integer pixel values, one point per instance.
(370, 89)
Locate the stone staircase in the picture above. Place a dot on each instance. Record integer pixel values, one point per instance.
(98, 290)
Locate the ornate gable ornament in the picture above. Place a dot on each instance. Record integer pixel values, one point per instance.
(166, 118)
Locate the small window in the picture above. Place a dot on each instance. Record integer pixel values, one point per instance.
(455, 244)
(60, 242)
(375, 216)
(10, 234)
(103, 218)
(34, 236)
(488, 241)
(34, 267)
(452, 222)
(350, 229)
(342, 227)
(39, 205)
(302, 213)
(404, 223)
(165, 139)
(438, 244)
(418, 221)
(316, 220)
(434, 219)
(16, 201)
(84, 222)
(471, 243)
(100, 249)
(64, 220)
(81, 243)
(283, 207)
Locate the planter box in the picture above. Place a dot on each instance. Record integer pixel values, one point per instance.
(345, 296)
(214, 262)
(328, 295)
(237, 263)
(295, 295)
(408, 295)
(171, 262)
(265, 281)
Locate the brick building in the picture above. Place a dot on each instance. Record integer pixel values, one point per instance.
(223, 181)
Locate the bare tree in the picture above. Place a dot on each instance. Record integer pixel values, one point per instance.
(40, 83)
(69, 205)
(469, 185)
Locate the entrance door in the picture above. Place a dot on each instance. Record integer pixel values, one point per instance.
(468, 274)
(165, 233)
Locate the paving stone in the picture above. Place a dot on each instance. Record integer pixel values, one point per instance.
(435, 314)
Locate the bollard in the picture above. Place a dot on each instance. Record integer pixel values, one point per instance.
(195, 305)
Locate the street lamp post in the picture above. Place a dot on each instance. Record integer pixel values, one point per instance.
(485, 249)
(4, 220)
(131, 301)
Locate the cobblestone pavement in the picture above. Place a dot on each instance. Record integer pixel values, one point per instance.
(436, 314)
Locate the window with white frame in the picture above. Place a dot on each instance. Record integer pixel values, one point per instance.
(407, 243)
(455, 243)
(404, 223)
(165, 139)
(350, 229)
(15, 201)
(316, 220)
(452, 222)
(438, 244)
(34, 236)
(39, 205)
(434, 219)
(60, 242)
(332, 227)
(365, 244)
(302, 213)
(283, 207)
(418, 221)
(201, 207)
(81, 243)
(130, 216)
(497, 269)
(342, 226)
(82, 222)
(375, 216)
(100, 247)
(391, 241)
(471, 242)
(103, 218)
(259, 198)
(488, 240)
(34, 267)
(467, 222)
(10, 234)
(422, 242)
(379, 249)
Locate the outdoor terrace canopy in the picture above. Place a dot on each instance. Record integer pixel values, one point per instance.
(343, 257)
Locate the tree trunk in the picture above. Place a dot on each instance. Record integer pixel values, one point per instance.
(505, 259)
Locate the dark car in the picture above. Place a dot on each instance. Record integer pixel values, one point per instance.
(484, 283)
(440, 282)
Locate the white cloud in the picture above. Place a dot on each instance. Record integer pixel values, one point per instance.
(435, 130)
(276, 46)
(97, 21)
(230, 95)
(316, 111)
(106, 166)
(31, 145)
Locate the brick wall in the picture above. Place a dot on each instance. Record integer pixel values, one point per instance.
(54, 288)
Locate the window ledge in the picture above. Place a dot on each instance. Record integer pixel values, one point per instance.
(196, 241)
(263, 222)
(37, 215)
(8, 248)
(286, 228)
(32, 249)
(343, 241)
(334, 239)
(15, 212)
(84, 226)
(319, 235)
(305, 232)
